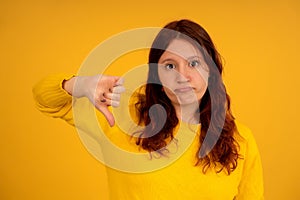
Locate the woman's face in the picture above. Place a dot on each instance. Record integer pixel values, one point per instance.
(183, 73)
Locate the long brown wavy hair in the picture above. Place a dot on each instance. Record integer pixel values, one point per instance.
(217, 142)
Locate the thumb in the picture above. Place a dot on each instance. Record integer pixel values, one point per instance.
(107, 114)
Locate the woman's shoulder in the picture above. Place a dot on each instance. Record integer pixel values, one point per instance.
(245, 137)
(243, 130)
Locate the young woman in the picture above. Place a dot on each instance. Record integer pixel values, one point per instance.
(185, 79)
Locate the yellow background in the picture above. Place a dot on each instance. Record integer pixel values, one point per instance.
(43, 158)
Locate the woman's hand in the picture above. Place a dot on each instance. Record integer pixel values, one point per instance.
(101, 90)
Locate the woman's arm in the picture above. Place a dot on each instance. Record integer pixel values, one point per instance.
(251, 184)
(51, 99)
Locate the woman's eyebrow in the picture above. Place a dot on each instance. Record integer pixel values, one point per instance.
(191, 57)
(167, 60)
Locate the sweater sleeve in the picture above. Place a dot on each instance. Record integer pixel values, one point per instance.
(251, 185)
(51, 99)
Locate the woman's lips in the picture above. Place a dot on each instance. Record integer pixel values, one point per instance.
(183, 90)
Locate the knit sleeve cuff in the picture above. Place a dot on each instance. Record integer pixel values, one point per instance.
(49, 91)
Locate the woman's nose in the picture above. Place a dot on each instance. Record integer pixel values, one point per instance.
(183, 74)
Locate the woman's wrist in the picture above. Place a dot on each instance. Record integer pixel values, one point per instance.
(68, 85)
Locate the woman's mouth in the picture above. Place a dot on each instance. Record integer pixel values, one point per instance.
(183, 90)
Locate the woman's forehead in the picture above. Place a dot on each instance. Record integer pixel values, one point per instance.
(182, 48)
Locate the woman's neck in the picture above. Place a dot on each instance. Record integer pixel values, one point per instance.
(188, 113)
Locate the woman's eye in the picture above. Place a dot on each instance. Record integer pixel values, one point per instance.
(170, 66)
(194, 63)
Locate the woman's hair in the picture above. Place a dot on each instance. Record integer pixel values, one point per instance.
(218, 122)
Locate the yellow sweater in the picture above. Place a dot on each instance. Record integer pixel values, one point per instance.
(180, 179)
